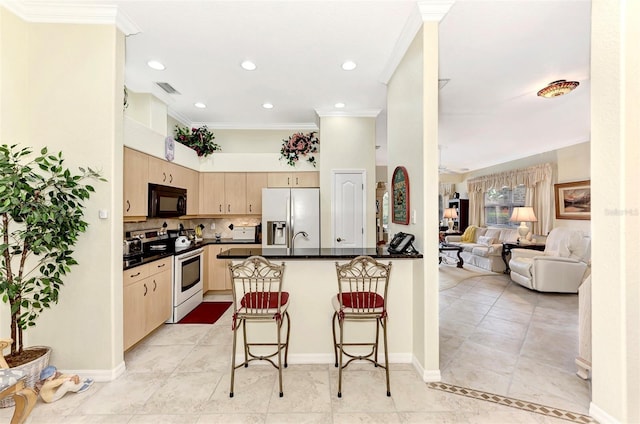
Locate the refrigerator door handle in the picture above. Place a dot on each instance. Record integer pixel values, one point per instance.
(289, 219)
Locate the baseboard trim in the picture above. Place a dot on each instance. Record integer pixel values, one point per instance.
(601, 415)
(99, 375)
(428, 376)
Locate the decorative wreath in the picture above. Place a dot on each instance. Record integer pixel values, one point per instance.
(300, 144)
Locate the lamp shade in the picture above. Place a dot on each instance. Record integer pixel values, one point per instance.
(450, 213)
(523, 214)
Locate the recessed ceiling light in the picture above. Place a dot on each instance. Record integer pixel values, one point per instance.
(154, 64)
(339, 105)
(200, 105)
(349, 65)
(248, 65)
(267, 105)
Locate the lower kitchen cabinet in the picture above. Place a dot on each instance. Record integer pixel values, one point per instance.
(146, 299)
(217, 270)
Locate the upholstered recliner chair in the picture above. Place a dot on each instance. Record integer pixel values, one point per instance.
(560, 268)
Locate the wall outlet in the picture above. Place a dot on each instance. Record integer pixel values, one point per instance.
(213, 225)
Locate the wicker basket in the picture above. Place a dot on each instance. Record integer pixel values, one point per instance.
(32, 372)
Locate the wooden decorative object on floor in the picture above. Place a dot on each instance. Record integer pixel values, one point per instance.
(12, 384)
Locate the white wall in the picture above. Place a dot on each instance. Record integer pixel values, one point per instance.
(348, 143)
(412, 104)
(615, 216)
(80, 114)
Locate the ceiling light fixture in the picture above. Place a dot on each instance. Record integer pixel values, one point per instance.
(248, 65)
(558, 88)
(154, 64)
(200, 105)
(349, 65)
(267, 105)
(339, 105)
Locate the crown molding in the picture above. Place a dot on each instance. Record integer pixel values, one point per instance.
(257, 126)
(426, 11)
(362, 113)
(71, 13)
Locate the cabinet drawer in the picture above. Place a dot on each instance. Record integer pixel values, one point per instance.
(132, 275)
(160, 265)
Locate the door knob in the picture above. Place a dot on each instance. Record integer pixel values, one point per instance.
(338, 239)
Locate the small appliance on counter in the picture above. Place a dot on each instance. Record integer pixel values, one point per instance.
(131, 247)
(182, 242)
(247, 234)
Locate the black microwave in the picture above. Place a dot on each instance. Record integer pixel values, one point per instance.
(166, 202)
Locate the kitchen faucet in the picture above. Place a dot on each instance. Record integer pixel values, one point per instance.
(304, 234)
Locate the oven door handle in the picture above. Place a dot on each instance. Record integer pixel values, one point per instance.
(189, 255)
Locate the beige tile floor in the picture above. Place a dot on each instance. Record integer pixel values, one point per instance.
(500, 337)
(180, 374)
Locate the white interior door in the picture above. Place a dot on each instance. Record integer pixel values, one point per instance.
(348, 211)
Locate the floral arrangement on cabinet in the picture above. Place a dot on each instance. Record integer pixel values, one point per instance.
(300, 144)
(198, 139)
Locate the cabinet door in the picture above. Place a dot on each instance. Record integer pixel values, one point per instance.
(135, 189)
(279, 179)
(193, 192)
(235, 193)
(256, 181)
(133, 310)
(306, 179)
(220, 272)
(158, 300)
(211, 193)
(159, 172)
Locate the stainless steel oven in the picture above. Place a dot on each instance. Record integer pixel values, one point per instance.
(187, 283)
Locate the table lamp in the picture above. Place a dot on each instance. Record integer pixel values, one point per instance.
(451, 214)
(523, 214)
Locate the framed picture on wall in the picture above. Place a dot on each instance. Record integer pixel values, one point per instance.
(400, 191)
(573, 200)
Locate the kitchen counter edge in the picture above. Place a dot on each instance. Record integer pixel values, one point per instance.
(322, 253)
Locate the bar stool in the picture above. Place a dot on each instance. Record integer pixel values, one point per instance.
(362, 296)
(258, 297)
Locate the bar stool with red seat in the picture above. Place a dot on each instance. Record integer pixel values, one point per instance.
(362, 296)
(258, 297)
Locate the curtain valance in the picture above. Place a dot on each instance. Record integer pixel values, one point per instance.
(530, 177)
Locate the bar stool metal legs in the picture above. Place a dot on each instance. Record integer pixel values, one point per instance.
(362, 294)
(258, 296)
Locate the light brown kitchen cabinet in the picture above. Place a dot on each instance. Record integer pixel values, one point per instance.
(135, 189)
(146, 299)
(235, 193)
(192, 182)
(256, 181)
(216, 273)
(162, 172)
(212, 193)
(293, 179)
(217, 270)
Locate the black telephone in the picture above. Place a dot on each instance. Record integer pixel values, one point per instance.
(402, 243)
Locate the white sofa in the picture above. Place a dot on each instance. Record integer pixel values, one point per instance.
(486, 249)
(562, 266)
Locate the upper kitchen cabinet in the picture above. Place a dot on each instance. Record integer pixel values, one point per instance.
(256, 181)
(293, 179)
(235, 193)
(135, 189)
(212, 193)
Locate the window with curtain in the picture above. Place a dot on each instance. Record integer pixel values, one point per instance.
(499, 204)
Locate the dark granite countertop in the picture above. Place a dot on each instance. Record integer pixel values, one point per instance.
(322, 253)
(148, 258)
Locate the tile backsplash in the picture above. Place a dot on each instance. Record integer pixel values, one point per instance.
(221, 224)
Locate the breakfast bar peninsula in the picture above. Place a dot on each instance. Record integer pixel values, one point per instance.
(311, 280)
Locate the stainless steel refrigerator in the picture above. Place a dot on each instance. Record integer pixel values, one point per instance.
(290, 218)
